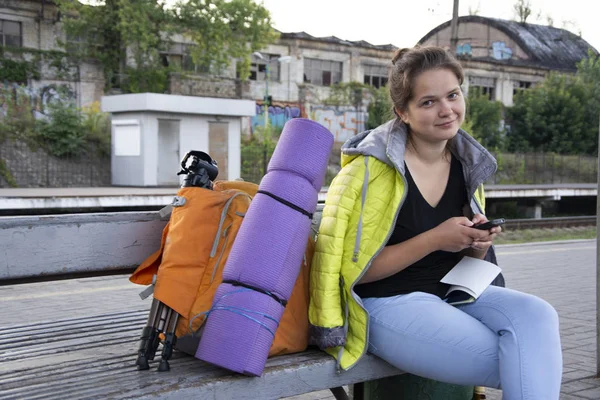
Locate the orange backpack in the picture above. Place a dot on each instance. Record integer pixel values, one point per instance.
(189, 264)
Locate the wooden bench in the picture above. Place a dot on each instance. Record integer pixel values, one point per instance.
(94, 357)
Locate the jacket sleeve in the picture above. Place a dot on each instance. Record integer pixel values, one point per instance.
(325, 309)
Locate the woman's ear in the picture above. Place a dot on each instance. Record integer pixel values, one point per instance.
(401, 115)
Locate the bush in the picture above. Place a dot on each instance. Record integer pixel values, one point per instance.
(257, 151)
(62, 134)
(380, 109)
(97, 125)
(18, 122)
(484, 117)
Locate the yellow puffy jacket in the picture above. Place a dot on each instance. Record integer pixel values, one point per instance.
(360, 213)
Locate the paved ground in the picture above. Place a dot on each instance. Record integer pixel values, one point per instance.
(562, 273)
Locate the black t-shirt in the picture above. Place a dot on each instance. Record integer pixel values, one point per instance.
(416, 217)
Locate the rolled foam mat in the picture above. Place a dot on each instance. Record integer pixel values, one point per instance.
(243, 324)
(278, 251)
(267, 253)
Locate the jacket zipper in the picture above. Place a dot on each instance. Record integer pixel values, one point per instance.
(364, 271)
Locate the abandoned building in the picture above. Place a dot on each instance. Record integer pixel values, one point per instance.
(296, 73)
(501, 56)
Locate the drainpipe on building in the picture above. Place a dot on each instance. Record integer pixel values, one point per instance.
(40, 19)
(454, 28)
(598, 265)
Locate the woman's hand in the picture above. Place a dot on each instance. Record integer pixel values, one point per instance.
(456, 234)
(480, 246)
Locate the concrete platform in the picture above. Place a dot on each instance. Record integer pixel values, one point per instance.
(113, 197)
(563, 273)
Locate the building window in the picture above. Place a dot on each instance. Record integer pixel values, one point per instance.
(180, 56)
(486, 86)
(322, 72)
(258, 68)
(375, 75)
(10, 34)
(520, 85)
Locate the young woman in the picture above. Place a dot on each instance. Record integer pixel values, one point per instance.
(397, 218)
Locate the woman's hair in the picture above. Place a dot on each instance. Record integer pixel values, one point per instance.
(409, 63)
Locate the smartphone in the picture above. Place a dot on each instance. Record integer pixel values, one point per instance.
(490, 224)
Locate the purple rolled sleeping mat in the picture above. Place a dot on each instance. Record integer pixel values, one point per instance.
(267, 254)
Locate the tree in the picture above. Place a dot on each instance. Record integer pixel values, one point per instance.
(224, 29)
(128, 37)
(380, 109)
(550, 117)
(115, 31)
(483, 118)
(562, 114)
(588, 73)
(522, 10)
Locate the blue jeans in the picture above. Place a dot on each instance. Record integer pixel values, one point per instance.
(506, 339)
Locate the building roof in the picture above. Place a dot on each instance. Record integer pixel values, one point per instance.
(547, 46)
(336, 40)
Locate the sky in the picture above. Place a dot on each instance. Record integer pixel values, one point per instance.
(402, 23)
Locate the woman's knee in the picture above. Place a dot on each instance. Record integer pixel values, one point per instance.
(538, 311)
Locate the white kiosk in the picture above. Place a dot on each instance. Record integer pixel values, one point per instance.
(152, 132)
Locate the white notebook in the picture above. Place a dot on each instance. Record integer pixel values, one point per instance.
(468, 279)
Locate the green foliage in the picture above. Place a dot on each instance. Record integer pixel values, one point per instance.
(18, 71)
(560, 115)
(62, 134)
(348, 94)
(5, 173)
(256, 152)
(224, 29)
(96, 35)
(18, 121)
(146, 79)
(128, 36)
(19, 64)
(97, 125)
(588, 73)
(66, 132)
(380, 108)
(121, 30)
(550, 117)
(483, 119)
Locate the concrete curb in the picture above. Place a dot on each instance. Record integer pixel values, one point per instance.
(551, 242)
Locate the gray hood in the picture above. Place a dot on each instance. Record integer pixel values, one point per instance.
(387, 143)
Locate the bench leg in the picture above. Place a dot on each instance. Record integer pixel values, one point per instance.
(358, 391)
(407, 386)
(339, 393)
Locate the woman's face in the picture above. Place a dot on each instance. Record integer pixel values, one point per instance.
(437, 107)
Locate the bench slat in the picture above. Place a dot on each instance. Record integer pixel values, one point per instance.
(101, 366)
(81, 243)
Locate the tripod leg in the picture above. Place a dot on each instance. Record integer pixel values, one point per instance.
(163, 310)
(170, 340)
(147, 337)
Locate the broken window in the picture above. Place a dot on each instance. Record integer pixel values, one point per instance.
(258, 68)
(179, 55)
(520, 85)
(10, 34)
(486, 86)
(375, 75)
(322, 72)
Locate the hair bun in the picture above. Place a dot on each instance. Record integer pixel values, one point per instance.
(399, 54)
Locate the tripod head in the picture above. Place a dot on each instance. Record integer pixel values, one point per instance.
(201, 171)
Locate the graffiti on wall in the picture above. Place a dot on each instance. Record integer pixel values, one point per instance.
(501, 51)
(278, 115)
(39, 98)
(342, 123)
(464, 49)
